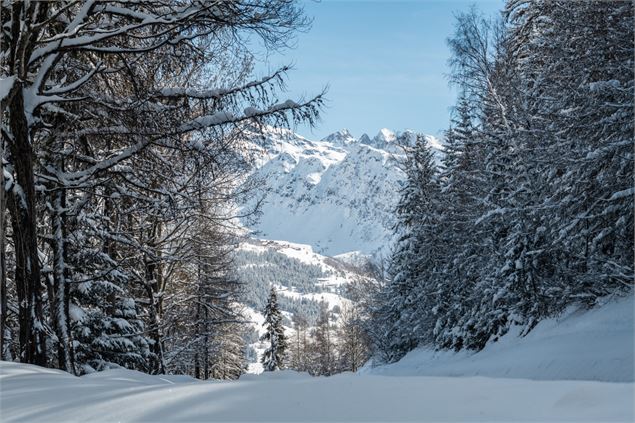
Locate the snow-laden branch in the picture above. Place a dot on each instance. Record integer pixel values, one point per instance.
(220, 92)
(225, 118)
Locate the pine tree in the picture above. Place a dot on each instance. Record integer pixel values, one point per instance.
(462, 246)
(275, 354)
(415, 261)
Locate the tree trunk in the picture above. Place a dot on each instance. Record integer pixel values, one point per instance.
(60, 310)
(3, 266)
(22, 209)
(152, 286)
(206, 344)
(197, 365)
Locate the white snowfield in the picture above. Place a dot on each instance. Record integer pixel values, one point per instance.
(34, 394)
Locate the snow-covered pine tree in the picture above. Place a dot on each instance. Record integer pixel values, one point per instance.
(463, 242)
(588, 192)
(275, 355)
(415, 260)
(537, 180)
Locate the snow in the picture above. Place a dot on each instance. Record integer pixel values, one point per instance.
(354, 258)
(385, 135)
(336, 195)
(578, 367)
(621, 194)
(123, 395)
(579, 345)
(330, 298)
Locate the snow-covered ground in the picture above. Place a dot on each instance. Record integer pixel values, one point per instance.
(592, 344)
(595, 345)
(33, 394)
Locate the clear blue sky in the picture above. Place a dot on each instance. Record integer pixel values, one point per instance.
(385, 62)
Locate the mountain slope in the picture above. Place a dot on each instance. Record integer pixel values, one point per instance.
(337, 195)
(302, 278)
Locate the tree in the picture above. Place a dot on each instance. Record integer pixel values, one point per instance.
(106, 108)
(299, 352)
(275, 354)
(414, 261)
(534, 210)
(322, 349)
(353, 343)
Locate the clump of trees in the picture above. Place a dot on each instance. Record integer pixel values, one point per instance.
(121, 156)
(336, 343)
(531, 208)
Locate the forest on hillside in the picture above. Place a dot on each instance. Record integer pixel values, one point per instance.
(531, 209)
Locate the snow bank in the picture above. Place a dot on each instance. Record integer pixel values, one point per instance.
(33, 394)
(592, 344)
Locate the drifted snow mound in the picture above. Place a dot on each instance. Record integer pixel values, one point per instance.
(594, 344)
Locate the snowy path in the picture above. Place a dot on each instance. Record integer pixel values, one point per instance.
(34, 394)
(593, 346)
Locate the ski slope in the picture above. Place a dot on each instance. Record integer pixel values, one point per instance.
(595, 347)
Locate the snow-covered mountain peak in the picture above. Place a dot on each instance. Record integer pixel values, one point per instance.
(409, 137)
(434, 143)
(385, 136)
(337, 195)
(341, 137)
(365, 139)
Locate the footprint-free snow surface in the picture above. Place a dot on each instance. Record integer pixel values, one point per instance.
(33, 394)
(562, 349)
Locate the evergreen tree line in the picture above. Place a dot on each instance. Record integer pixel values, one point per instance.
(531, 208)
(123, 157)
(258, 271)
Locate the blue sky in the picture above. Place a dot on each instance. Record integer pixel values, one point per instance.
(384, 61)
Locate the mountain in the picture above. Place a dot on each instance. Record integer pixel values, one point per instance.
(337, 194)
(327, 215)
(302, 277)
